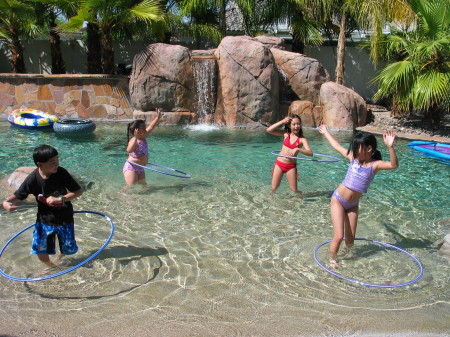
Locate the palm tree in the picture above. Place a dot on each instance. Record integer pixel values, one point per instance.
(304, 16)
(420, 78)
(109, 16)
(373, 14)
(16, 21)
(47, 13)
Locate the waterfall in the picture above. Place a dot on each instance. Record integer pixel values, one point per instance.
(205, 75)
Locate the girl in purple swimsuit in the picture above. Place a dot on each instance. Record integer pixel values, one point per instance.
(293, 144)
(137, 149)
(365, 162)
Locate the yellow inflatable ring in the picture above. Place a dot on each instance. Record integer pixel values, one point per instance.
(31, 119)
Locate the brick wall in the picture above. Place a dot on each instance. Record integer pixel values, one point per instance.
(67, 96)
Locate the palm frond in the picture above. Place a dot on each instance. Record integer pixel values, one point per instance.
(148, 10)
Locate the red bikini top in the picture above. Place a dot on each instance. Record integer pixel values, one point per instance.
(287, 142)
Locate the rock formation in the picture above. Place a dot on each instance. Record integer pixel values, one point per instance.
(251, 74)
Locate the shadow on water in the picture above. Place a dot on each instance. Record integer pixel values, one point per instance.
(125, 255)
(403, 242)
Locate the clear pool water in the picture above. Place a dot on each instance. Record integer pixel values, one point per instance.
(217, 254)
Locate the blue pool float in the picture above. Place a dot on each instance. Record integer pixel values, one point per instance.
(437, 150)
(31, 119)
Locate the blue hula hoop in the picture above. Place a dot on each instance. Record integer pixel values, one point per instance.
(64, 271)
(372, 284)
(331, 160)
(181, 175)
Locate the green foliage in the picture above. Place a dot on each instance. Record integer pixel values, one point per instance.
(419, 80)
(17, 20)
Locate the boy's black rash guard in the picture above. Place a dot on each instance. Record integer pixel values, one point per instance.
(57, 185)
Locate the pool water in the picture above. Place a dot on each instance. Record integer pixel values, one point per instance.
(217, 254)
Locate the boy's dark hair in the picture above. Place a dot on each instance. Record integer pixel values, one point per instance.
(364, 139)
(44, 153)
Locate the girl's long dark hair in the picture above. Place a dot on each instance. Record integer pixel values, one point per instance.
(365, 140)
(133, 126)
(287, 126)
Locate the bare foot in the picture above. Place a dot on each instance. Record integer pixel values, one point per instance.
(59, 261)
(44, 272)
(299, 194)
(333, 264)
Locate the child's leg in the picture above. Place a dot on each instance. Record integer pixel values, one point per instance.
(45, 259)
(338, 218)
(141, 178)
(350, 226)
(277, 175)
(292, 179)
(131, 177)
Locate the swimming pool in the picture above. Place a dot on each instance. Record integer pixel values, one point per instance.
(217, 254)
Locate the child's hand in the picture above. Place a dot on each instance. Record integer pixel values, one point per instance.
(9, 206)
(137, 133)
(389, 138)
(54, 202)
(286, 120)
(293, 152)
(322, 129)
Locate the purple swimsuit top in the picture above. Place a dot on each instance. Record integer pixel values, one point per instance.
(358, 177)
(141, 149)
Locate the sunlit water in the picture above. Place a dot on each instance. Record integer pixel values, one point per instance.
(216, 254)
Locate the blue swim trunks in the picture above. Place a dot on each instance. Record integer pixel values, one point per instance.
(44, 239)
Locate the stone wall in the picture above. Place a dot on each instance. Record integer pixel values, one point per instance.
(67, 96)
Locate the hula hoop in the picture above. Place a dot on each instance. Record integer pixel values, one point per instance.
(181, 175)
(331, 160)
(64, 271)
(371, 284)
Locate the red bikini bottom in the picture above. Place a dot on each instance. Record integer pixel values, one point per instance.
(285, 167)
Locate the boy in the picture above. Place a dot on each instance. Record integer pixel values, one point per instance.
(53, 187)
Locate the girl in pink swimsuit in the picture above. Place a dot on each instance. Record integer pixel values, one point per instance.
(294, 143)
(365, 162)
(137, 149)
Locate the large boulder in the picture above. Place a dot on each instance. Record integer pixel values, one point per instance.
(304, 75)
(272, 41)
(248, 91)
(310, 115)
(342, 107)
(162, 78)
(11, 183)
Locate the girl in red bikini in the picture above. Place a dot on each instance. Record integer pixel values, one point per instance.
(137, 149)
(294, 143)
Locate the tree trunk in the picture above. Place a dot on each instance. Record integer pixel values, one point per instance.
(341, 51)
(298, 45)
(107, 53)
(94, 58)
(58, 66)
(222, 18)
(17, 61)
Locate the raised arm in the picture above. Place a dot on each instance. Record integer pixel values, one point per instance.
(153, 123)
(333, 142)
(388, 138)
(273, 128)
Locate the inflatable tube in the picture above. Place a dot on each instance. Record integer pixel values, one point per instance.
(74, 126)
(437, 150)
(31, 119)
